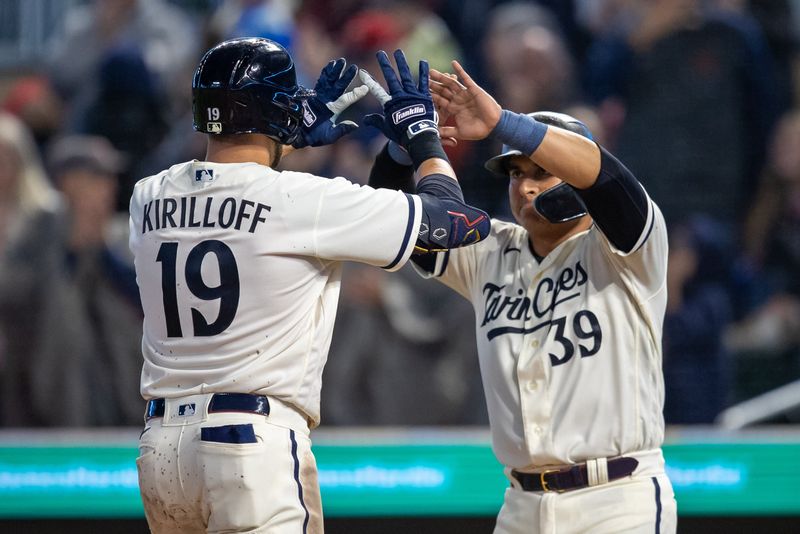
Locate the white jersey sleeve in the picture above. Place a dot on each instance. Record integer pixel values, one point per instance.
(350, 220)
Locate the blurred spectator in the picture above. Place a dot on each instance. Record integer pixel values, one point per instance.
(33, 100)
(70, 310)
(695, 92)
(121, 66)
(369, 31)
(780, 29)
(128, 110)
(272, 19)
(29, 224)
(767, 340)
(468, 20)
(530, 68)
(89, 352)
(410, 26)
(766, 346)
(164, 36)
(329, 15)
(402, 355)
(697, 366)
(588, 115)
(424, 34)
(772, 230)
(527, 58)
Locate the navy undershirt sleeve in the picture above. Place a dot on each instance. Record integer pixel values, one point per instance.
(426, 262)
(617, 203)
(440, 186)
(386, 173)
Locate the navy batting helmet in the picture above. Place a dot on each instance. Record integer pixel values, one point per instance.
(248, 85)
(560, 203)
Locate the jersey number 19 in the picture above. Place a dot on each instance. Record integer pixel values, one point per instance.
(227, 291)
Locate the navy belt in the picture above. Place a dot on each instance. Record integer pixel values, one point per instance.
(220, 402)
(571, 478)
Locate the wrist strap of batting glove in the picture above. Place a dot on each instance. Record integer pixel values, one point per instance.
(425, 145)
(519, 131)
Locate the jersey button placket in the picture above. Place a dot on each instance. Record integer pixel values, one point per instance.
(536, 367)
(525, 376)
(539, 413)
(533, 408)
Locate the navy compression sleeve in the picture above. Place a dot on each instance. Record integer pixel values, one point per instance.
(617, 203)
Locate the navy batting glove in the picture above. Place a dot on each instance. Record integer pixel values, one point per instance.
(408, 107)
(321, 110)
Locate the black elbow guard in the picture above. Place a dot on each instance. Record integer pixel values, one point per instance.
(449, 223)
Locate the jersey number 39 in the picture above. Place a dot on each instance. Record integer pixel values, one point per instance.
(227, 292)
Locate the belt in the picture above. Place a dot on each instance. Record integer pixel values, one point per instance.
(220, 402)
(574, 477)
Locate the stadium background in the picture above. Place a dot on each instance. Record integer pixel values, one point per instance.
(699, 97)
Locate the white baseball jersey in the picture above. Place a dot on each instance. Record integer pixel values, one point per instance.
(239, 269)
(570, 349)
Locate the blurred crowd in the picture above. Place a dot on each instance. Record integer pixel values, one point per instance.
(700, 98)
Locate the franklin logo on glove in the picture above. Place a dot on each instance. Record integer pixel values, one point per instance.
(408, 112)
(409, 118)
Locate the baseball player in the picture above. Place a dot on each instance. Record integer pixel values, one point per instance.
(569, 304)
(239, 265)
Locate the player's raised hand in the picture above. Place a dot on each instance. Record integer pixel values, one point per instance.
(383, 97)
(321, 110)
(407, 106)
(473, 111)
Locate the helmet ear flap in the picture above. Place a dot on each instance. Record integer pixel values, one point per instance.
(560, 204)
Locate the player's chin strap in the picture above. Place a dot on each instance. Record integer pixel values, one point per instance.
(447, 222)
(560, 204)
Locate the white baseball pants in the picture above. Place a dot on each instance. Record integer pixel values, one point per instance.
(642, 503)
(261, 480)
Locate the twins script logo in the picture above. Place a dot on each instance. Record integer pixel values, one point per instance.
(549, 293)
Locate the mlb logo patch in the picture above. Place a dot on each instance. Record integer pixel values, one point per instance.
(203, 175)
(185, 410)
(422, 126)
(214, 127)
